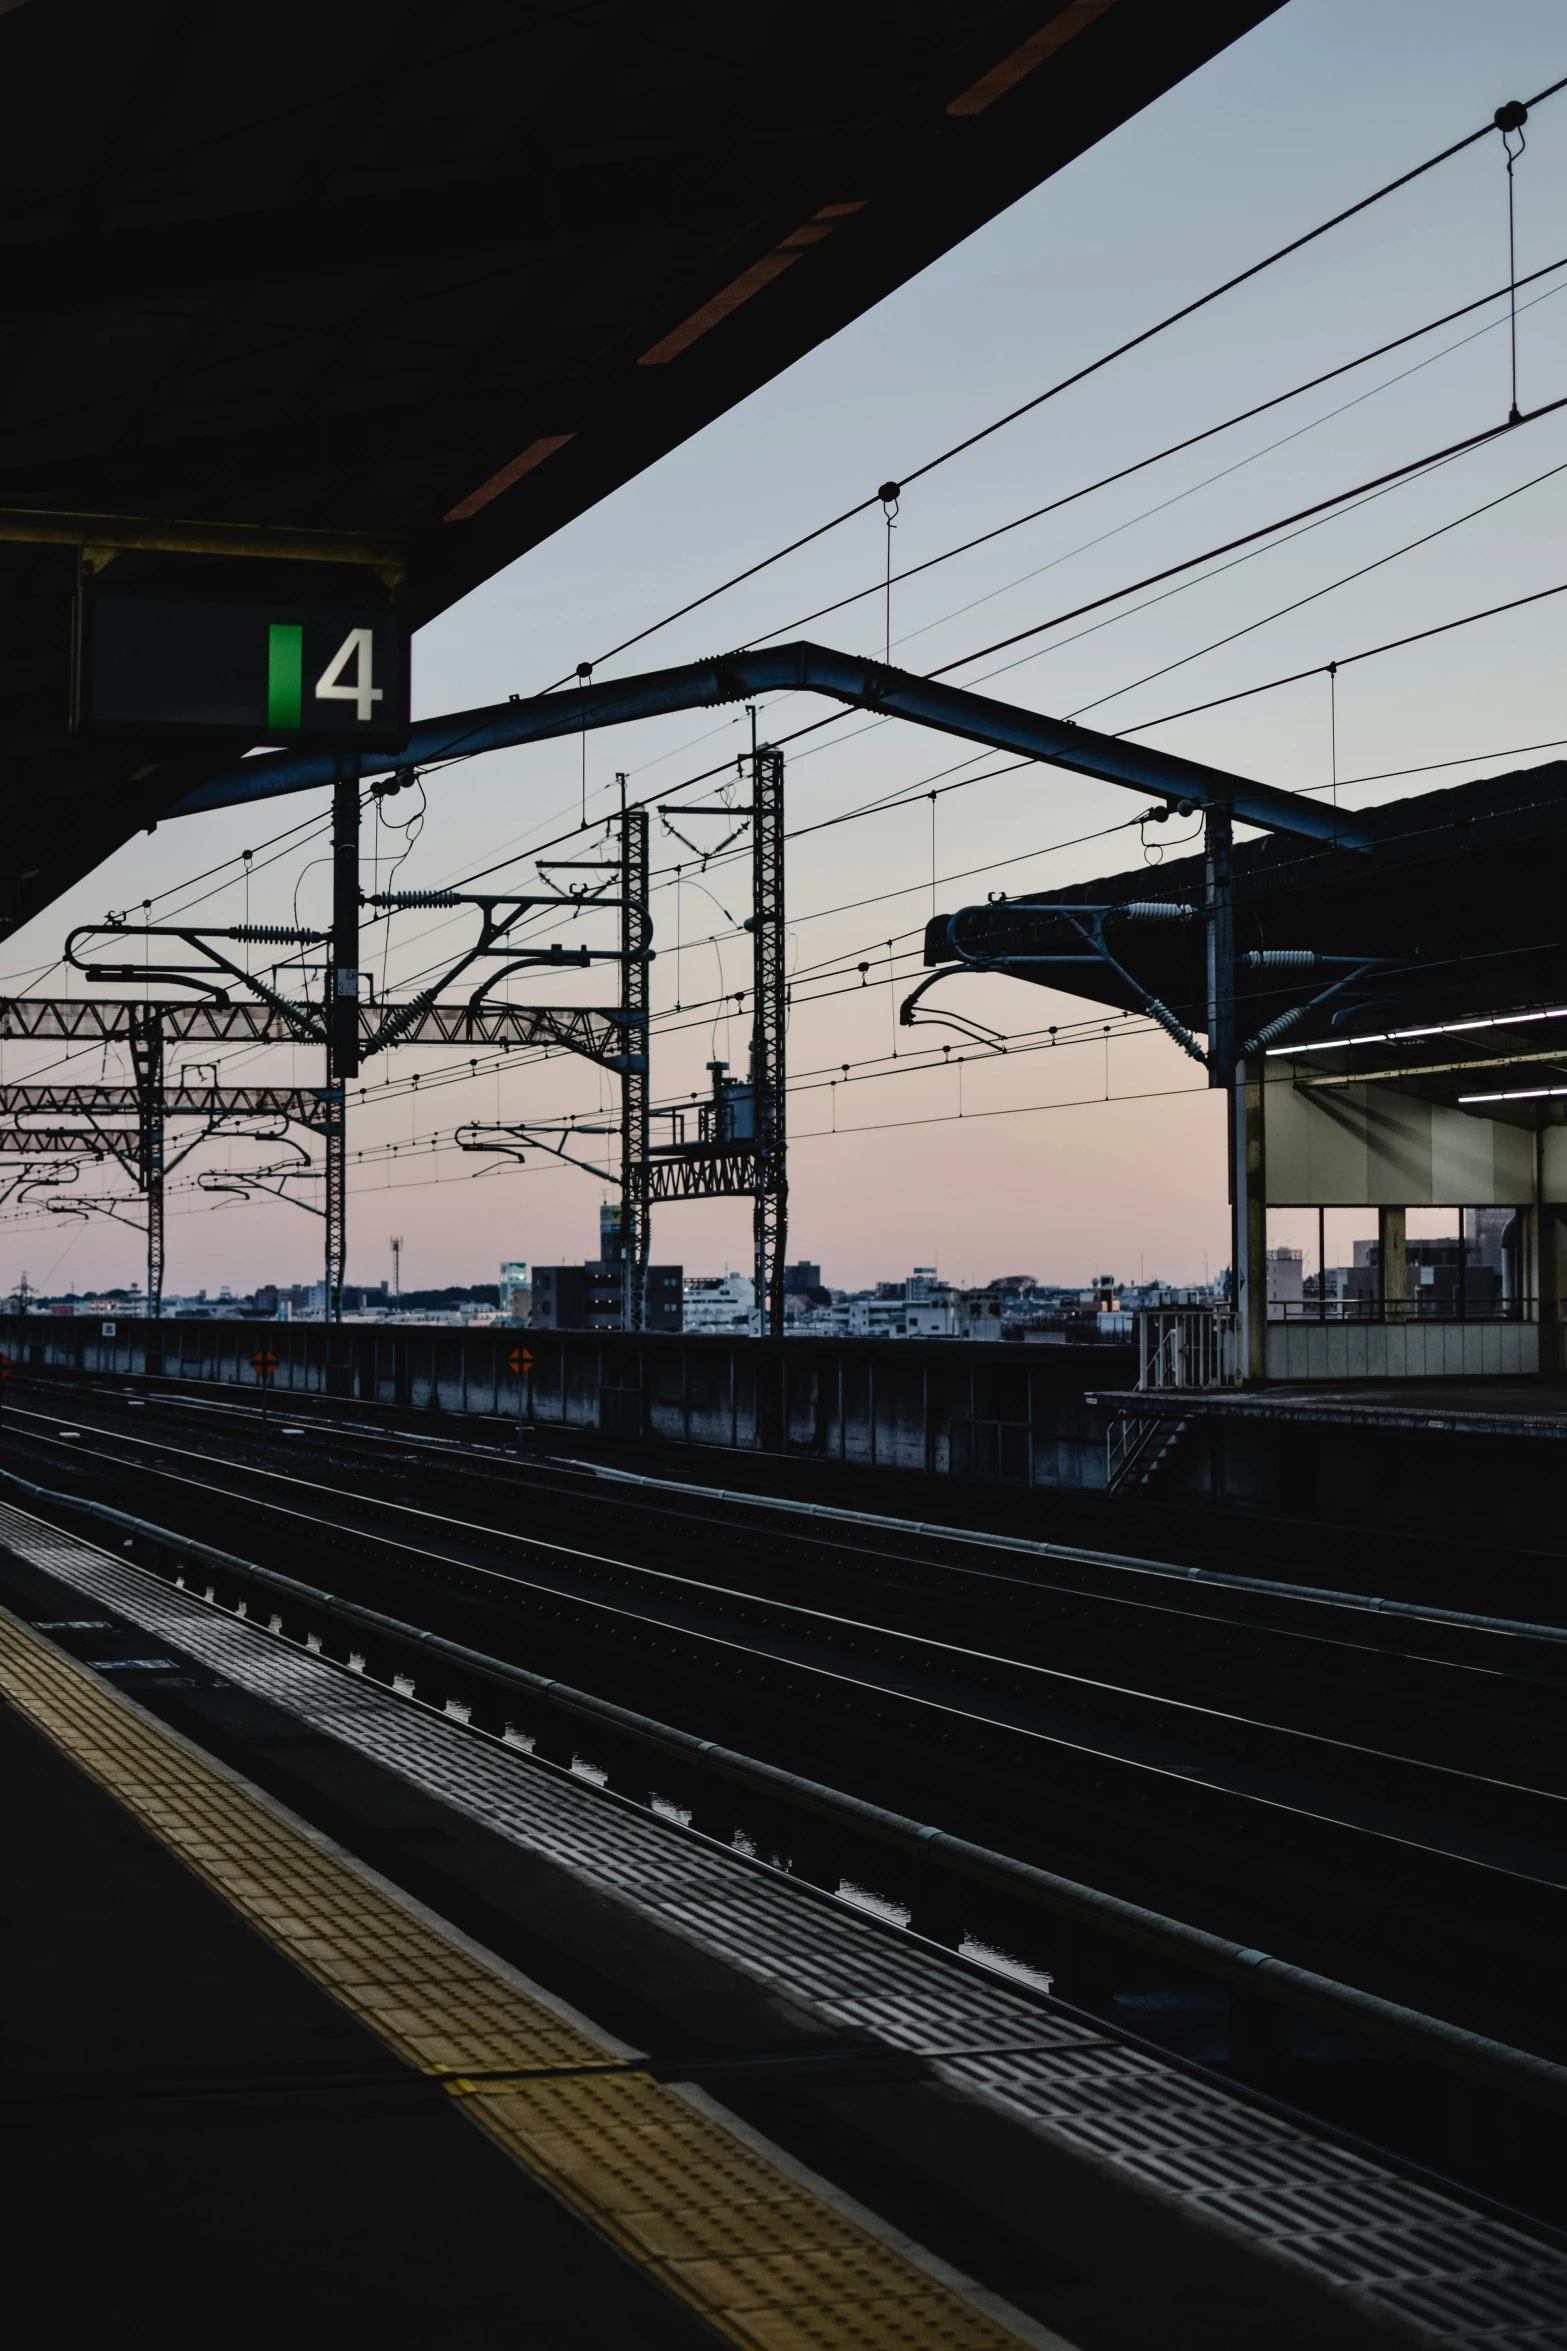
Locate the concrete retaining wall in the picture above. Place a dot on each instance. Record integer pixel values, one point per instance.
(1001, 1414)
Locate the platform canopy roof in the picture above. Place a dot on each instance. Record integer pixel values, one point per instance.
(1459, 902)
(445, 275)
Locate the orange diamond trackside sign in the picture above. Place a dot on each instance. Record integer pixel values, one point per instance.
(520, 1359)
(263, 1363)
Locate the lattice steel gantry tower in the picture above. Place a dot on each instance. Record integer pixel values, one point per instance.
(146, 1045)
(342, 1053)
(770, 1192)
(635, 933)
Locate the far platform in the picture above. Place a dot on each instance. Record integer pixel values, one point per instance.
(1465, 1407)
(1472, 1459)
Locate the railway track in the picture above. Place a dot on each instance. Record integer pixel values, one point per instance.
(1472, 1575)
(1388, 1840)
(1485, 1694)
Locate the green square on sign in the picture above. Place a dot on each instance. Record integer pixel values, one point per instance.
(285, 675)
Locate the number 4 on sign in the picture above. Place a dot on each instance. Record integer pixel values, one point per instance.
(357, 647)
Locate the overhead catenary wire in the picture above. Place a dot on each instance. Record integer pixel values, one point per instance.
(917, 791)
(1389, 479)
(887, 805)
(823, 1080)
(836, 718)
(1177, 448)
(1258, 539)
(1079, 375)
(922, 790)
(1298, 603)
(1293, 677)
(1084, 490)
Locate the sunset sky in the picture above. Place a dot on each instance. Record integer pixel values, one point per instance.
(1042, 1173)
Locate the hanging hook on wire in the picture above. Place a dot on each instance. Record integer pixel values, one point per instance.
(584, 676)
(889, 494)
(1509, 120)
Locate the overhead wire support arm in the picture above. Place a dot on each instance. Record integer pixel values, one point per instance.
(1088, 922)
(801, 668)
(214, 976)
(495, 941)
(1274, 1029)
(518, 1139)
(275, 1179)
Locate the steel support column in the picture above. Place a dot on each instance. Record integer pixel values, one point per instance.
(146, 1045)
(1550, 1278)
(1393, 1249)
(1249, 1219)
(1219, 911)
(635, 1215)
(342, 1008)
(770, 1020)
(1243, 1103)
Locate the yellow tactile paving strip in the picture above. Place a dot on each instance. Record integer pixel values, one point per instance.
(764, 2261)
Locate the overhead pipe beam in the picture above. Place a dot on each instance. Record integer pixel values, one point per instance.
(798, 668)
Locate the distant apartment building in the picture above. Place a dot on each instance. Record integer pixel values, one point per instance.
(719, 1302)
(937, 1311)
(877, 1318)
(592, 1296)
(1286, 1275)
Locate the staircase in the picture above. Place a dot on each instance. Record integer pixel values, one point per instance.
(1137, 1446)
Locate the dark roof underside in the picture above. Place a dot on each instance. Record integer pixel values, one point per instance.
(456, 271)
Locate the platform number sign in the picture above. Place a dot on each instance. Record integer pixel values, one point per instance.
(348, 677)
(258, 673)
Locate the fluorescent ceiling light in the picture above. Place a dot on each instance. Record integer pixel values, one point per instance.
(1441, 1028)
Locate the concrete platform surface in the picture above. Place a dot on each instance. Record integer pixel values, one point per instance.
(1064, 2186)
(201, 2142)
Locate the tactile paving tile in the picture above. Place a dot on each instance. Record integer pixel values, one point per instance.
(1422, 2257)
(766, 2262)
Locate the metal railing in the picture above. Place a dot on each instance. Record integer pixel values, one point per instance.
(1422, 1306)
(1186, 1347)
(797, 1824)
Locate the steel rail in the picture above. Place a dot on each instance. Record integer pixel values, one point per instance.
(1208, 1622)
(761, 1602)
(476, 1461)
(1513, 2073)
(1325, 1595)
(934, 1530)
(779, 1660)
